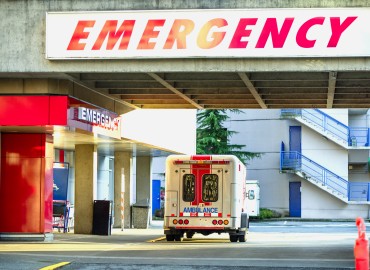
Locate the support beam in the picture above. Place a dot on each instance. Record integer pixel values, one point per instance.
(252, 89)
(331, 89)
(173, 89)
(97, 92)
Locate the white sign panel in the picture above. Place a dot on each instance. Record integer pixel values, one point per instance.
(341, 32)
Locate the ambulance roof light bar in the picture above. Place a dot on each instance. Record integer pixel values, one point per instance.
(201, 162)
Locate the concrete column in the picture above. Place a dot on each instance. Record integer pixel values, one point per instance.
(143, 179)
(85, 187)
(122, 187)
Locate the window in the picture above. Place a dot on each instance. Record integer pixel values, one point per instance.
(210, 188)
(188, 187)
(251, 195)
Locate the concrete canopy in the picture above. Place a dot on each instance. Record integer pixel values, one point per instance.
(210, 83)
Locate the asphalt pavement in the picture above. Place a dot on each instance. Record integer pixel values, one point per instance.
(278, 244)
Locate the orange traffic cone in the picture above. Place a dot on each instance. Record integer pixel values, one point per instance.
(361, 249)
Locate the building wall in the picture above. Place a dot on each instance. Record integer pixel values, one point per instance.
(358, 168)
(317, 203)
(324, 152)
(263, 131)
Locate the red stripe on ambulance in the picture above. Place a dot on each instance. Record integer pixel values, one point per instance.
(199, 169)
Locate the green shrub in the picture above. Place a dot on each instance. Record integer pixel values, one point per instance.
(267, 214)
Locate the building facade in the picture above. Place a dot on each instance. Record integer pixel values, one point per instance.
(69, 71)
(314, 163)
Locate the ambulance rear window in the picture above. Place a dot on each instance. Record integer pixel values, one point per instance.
(210, 188)
(188, 187)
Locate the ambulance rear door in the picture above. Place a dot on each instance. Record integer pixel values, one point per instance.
(201, 191)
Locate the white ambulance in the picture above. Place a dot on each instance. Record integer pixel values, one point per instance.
(205, 194)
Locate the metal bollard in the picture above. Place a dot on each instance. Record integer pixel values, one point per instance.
(361, 249)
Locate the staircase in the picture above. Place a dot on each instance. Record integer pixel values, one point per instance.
(329, 127)
(295, 162)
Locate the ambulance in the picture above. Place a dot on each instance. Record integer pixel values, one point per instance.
(205, 194)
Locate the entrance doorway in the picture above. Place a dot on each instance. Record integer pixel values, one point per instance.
(295, 199)
(295, 138)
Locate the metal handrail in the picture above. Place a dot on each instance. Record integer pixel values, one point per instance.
(321, 119)
(358, 191)
(295, 161)
(358, 136)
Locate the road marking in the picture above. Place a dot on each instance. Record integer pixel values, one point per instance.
(191, 240)
(194, 262)
(55, 266)
(194, 259)
(156, 240)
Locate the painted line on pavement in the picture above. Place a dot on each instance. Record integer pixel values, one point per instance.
(55, 266)
(156, 240)
(190, 258)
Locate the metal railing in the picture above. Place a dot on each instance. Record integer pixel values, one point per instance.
(353, 136)
(358, 136)
(358, 191)
(294, 161)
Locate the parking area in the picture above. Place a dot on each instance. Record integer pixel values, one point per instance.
(270, 245)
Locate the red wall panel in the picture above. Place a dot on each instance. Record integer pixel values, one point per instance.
(58, 110)
(33, 110)
(23, 145)
(25, 184)
(48, 185)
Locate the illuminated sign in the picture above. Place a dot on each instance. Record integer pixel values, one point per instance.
(321, 32)
(98, 118)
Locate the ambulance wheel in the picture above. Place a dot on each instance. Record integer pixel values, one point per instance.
(189, 234)
(241, 238)
(178, 238)
(234, 238)
(170, 237)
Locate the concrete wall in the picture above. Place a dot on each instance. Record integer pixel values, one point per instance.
(358, 168)
(359, 120)
(324, 152)
(262, 131)
(22, 43)
(340, 115)
(158, 169)
(316, 203)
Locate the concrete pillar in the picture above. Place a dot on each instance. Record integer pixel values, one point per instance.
(143, 179)
(122, 187)
(85, 187)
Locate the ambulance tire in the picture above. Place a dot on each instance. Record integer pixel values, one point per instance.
(170, 237)
(241, 237)
(234, 238)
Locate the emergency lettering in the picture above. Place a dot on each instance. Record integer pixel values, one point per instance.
(208, 35)
(224, 33)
